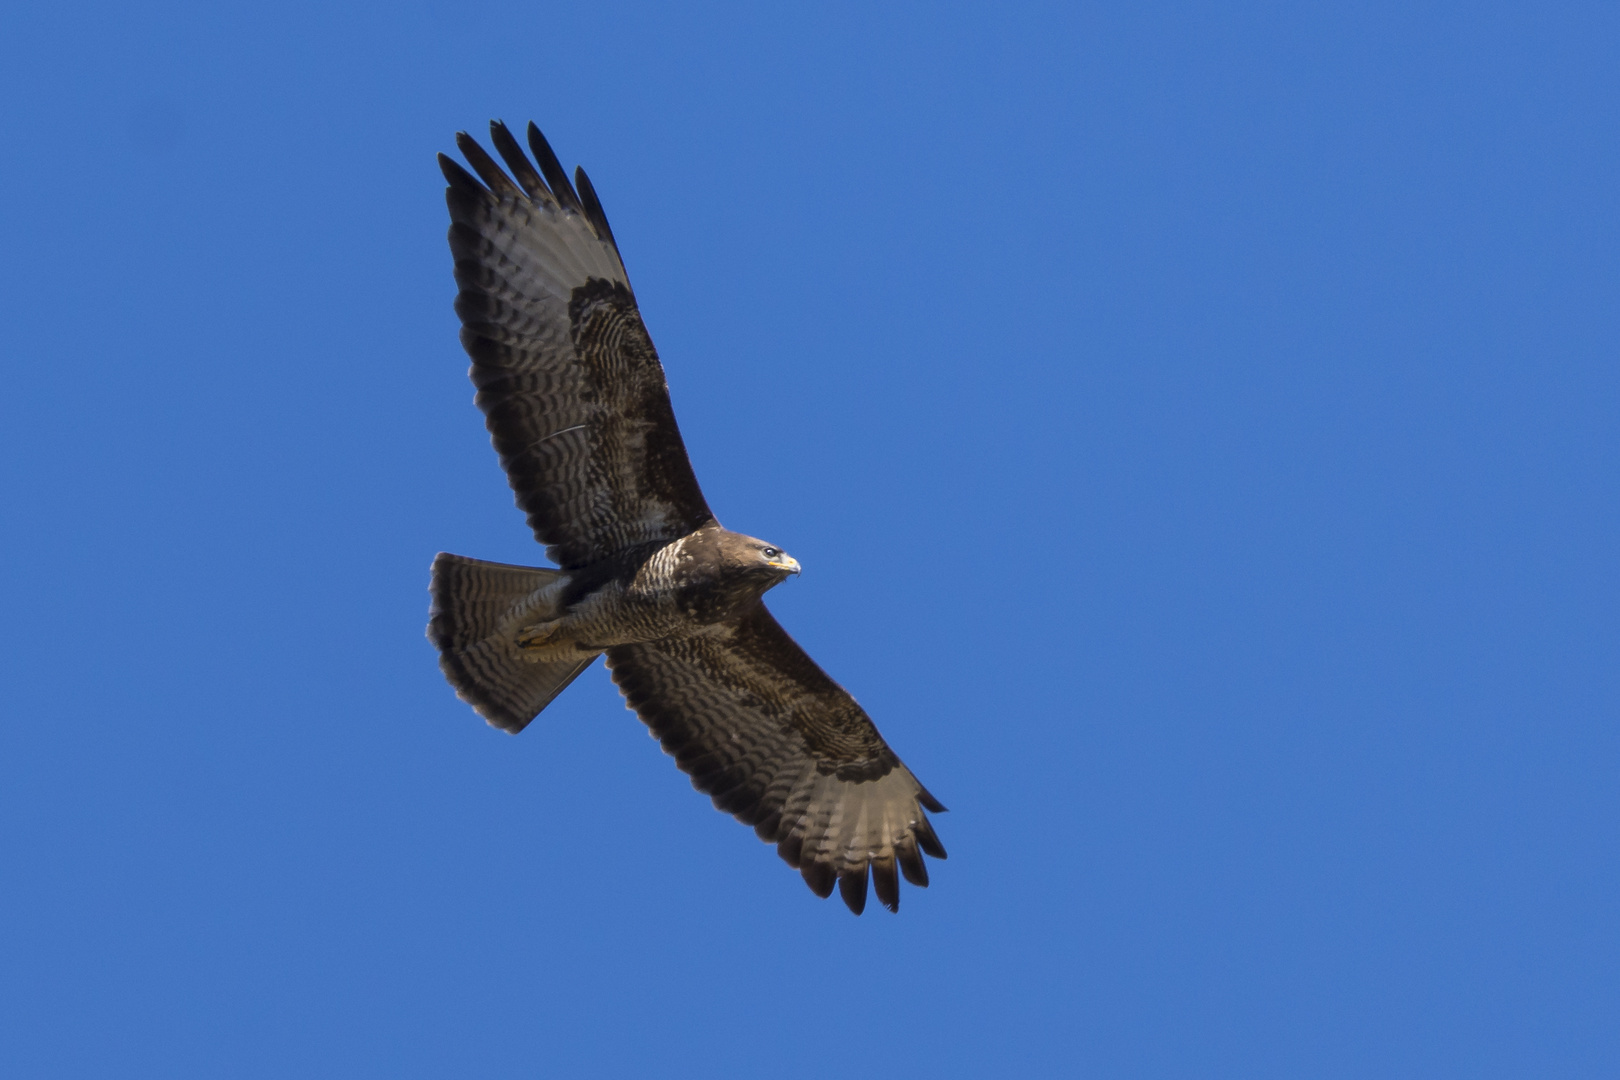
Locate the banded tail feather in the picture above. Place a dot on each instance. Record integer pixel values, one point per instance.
(471, 622)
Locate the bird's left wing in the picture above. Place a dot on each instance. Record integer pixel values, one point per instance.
(780, 746)
(575, 396)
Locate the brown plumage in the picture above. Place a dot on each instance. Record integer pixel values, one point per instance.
(578, 410)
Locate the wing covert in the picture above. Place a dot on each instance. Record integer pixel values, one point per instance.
(571, 387)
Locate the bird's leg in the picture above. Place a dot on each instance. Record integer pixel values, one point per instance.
(538, 635)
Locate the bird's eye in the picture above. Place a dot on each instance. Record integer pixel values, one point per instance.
(771, 553)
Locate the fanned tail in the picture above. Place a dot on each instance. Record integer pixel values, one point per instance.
(473, 604)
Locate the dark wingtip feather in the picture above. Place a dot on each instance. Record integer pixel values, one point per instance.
(886, 883)
(484, 165)
(460, 178)
(507, 146)
(852, 887)
(593, 207)
(927, 840)
(911, 864)
(553, 170)
(928, 801)
(819, 876)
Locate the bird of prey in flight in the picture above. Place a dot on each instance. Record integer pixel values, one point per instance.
(578, 409)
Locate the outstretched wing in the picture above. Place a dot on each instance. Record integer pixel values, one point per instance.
(568, 379)
(783, 748)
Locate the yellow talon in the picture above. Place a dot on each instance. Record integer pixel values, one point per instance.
(533, 637)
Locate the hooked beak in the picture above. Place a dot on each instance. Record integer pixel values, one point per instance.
(787, 563)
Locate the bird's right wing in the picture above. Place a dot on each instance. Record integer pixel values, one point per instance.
(779, 745)
(568, 379)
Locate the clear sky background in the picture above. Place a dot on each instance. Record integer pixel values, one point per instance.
(1197, 423)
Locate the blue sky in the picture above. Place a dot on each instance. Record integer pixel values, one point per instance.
(1196, 422)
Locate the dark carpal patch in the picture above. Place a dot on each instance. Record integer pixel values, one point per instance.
(637, 437)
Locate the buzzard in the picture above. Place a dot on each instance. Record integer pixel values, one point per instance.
(578, 410)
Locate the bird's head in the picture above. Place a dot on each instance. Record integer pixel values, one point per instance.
(759, 561)
(774, 561)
